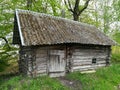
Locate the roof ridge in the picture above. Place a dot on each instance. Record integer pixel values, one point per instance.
(55, 17)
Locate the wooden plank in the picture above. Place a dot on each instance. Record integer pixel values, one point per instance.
(101, 62)
(41, 66)
(41, 62)
(41, 71)
(88, 71)
(89, 61)
(100, 65)
(89, 66)
(57, 74)
(57, 52)
(84, 69)
(89, 56)
(79, 67)
(82, 57)
(89, 50)
(41, 74)
(41, 55)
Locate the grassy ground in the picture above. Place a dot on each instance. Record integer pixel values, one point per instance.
(25, 83)
(107, 78)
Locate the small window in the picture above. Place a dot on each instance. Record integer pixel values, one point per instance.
(94, 60)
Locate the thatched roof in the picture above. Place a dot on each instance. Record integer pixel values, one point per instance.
(32, 28)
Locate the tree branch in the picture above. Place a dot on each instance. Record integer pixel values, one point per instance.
(76, 7)
(5, 41)
(29, 4)
(69, 7)
(85, 6)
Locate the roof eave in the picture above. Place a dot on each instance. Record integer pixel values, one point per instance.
(19, 28)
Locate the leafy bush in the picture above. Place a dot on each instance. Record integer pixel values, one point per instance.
(115, 54)
(115, 58)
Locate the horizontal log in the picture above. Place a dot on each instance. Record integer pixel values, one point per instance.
(41, 71)
(101, 62)
(80, 67)
(85, 64)
(88, 53)
(89, 50)
(41, 74)
(41, 50)
(57, 51)
(89, 66)
(41, 66)
(39, 61)
(101, 65)
(88, 57)
(41, 55)
(82, 64)
(84, 69)
(56, 70)
(56, 74)
(88, 61)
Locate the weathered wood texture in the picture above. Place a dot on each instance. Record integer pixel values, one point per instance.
(82, 58)
(55, 61)
(41, 61)
(50, 60)
(27, 64)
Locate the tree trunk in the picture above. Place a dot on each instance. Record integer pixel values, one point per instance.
(75, 17)
(76, 11)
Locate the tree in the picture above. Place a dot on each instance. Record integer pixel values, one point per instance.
(8, 52)
(45, 6)
(76, 10)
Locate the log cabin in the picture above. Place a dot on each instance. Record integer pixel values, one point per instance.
(54, 46)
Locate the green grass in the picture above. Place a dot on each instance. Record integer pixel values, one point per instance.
(107, 78)
(25, 83)
(115, 58)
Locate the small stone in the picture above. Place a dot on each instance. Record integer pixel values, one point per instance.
(71, 83)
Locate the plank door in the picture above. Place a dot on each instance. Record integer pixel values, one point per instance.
(56, 63)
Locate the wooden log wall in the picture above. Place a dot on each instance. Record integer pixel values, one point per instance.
(41, 61)
(82, 58)
(27, 64)
(56, 60)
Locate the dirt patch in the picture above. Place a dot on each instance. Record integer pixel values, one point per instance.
(72, 84)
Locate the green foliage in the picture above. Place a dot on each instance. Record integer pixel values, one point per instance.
(116, 36)
(107, 78)
(25, 83)
(116, 6)
(115, 58)
(115, 54)
(8, 55)
(7, 51)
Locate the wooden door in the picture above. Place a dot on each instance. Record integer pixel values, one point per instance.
(56, 63)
